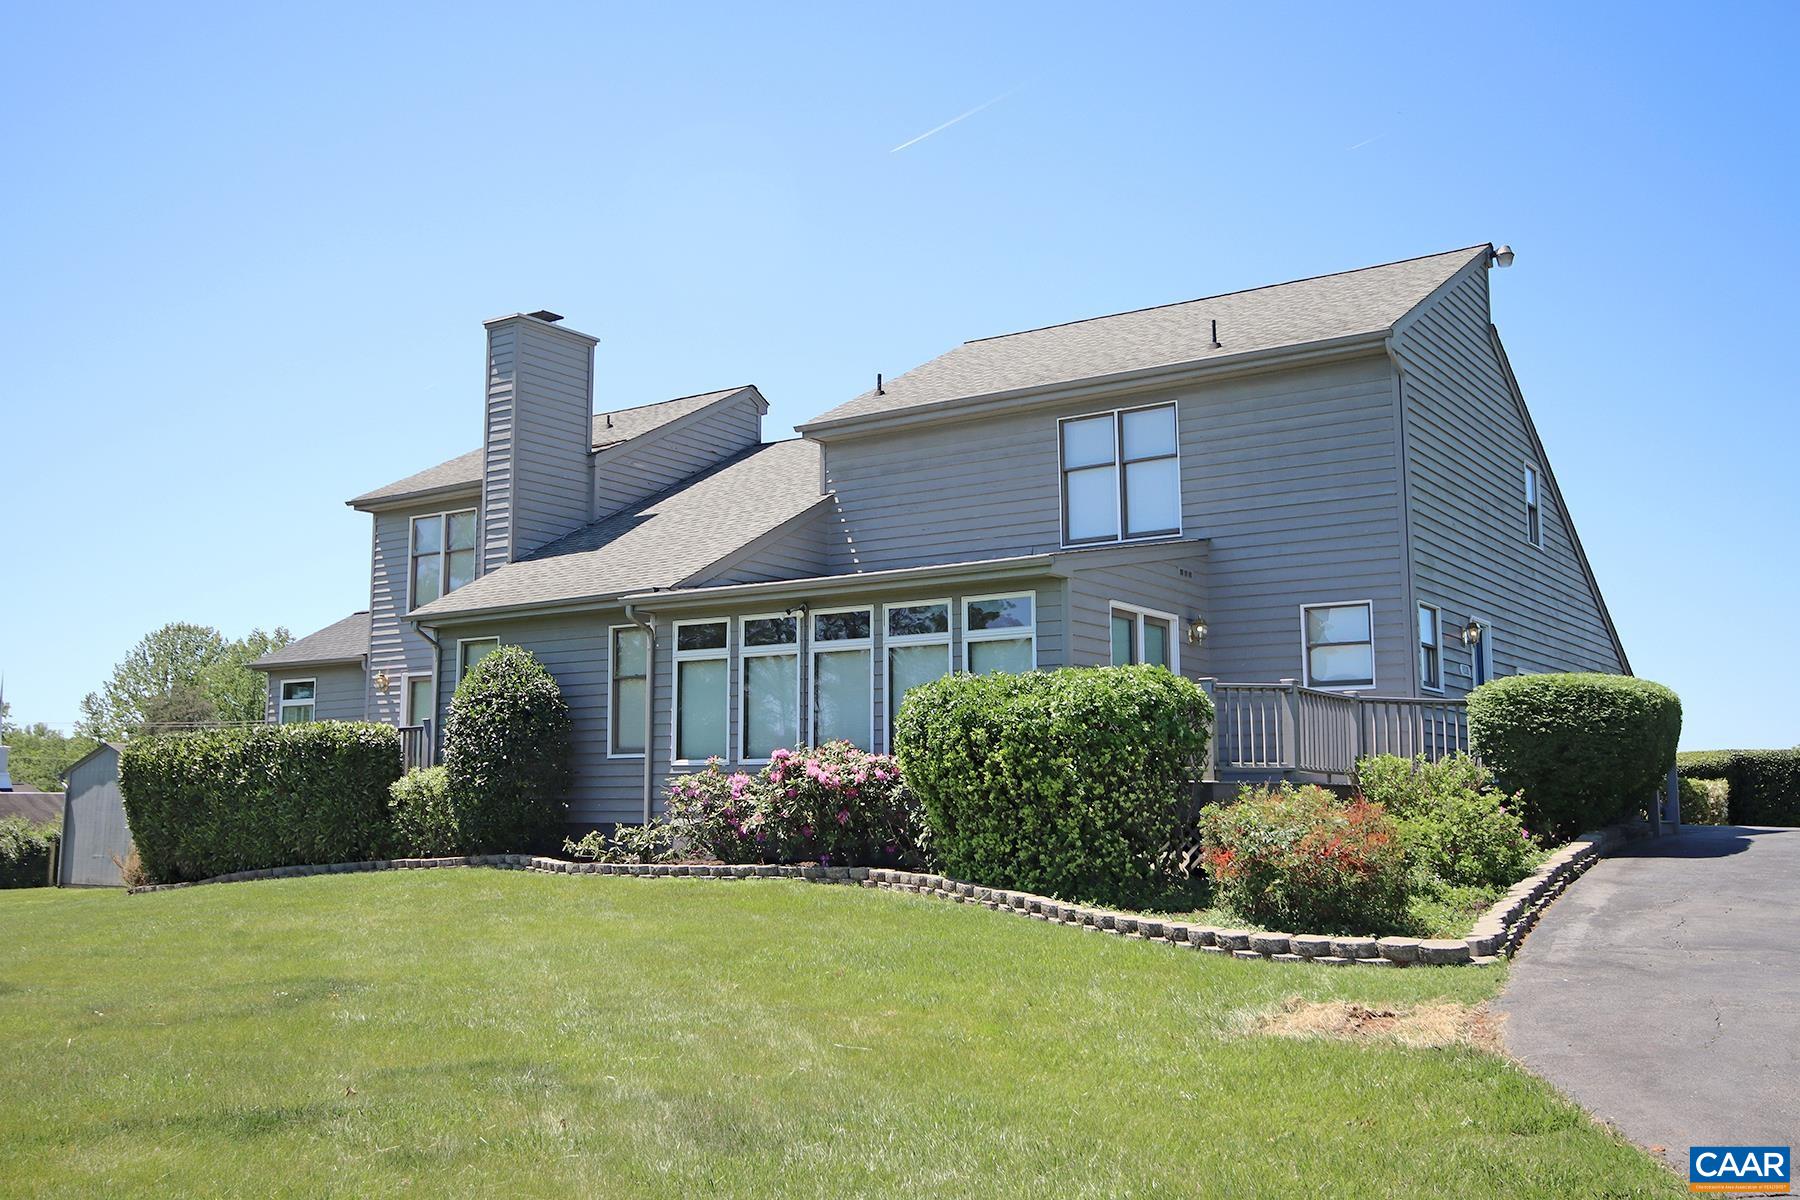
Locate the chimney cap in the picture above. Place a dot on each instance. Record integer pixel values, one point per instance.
(544, 314)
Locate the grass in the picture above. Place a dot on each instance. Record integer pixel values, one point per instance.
(493, 1033)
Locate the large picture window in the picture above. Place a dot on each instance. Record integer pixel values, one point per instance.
(918, 650)
(297, 696)
(1339, 644)
(1142, 635)
(443, 555)
(630, 691)
(1121, 475)
(843, 668)
(769, 716)
(999, 634)
(702, 702)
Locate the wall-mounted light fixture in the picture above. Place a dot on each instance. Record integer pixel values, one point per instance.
(1196, 630)
(381, 681)
(1471, 633)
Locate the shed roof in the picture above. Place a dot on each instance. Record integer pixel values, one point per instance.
(1320, 309)
(610, 429)
(341, 641)
(661, 542)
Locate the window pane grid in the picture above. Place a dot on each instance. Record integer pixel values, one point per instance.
(1339, 645)
(1000, 633)
(442, 555)
(702, 701)
(1121, 475)
(630, 689)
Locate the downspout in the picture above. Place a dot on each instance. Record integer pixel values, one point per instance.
(437, 667)
(649, 628)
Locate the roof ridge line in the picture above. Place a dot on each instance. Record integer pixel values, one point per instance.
(1222, 295)
(675, 399)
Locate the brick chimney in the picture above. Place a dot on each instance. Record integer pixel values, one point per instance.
(537, 473)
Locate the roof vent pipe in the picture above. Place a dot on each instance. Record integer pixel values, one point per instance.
(1215, 333)
(878, 389)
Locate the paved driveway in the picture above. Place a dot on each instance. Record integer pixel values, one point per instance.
(1662, 991)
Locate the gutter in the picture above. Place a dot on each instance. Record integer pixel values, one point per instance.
(649, 628)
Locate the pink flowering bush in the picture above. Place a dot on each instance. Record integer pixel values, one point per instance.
(833, 804)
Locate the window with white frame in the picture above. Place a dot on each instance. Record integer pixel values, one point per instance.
(630, 689)
(421, 699)
(443, 554)
(999, 633)
(296, 704)
(1534, 520)
(470, 651)
(917, 637)
(702, 700)
(1121, 475)
(843, 671)
(1142, 635)
(1431, 654)
(1339, 644)
(769, 712)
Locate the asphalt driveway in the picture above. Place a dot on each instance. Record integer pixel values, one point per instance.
(1662, 991)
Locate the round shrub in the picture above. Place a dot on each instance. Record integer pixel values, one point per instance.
(423, 818)
(222, 800)
(506, 754)
(1456, 826)
(1304, 860)
(1705, 801)
(1586, 750)
(1070, 783)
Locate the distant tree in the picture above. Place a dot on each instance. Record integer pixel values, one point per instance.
(181, 674)
(40, 755)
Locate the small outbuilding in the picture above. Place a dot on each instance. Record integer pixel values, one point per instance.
(95, 837)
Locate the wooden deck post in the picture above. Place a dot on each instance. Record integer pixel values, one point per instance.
(1210, 769)
(1290, 726)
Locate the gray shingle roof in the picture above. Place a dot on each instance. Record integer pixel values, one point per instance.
(1321, 309)
(659, 543)
(625, 423)
(346, 639)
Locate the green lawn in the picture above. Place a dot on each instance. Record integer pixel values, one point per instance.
(476, 1032)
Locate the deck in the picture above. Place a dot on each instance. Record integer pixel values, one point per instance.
(1283, 730)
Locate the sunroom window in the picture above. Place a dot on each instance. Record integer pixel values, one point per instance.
(843, 668)
(1121, 475)
(999, 634)
(1340, 645)
(770, 714)
(918, 650)
(443, 554)
(702, 706)
(630, 688)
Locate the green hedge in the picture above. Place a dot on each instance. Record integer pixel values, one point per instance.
(1765, 784)
(424, 820)
(1705, 801)
(26, 850)
(208, 803)
(1586, 750)
(506, 756)
(1069, 783)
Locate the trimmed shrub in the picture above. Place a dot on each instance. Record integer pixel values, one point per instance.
(1586, 750)
(1705, 801)
(1304, 859)
(835, 805)
(224, 800)
(423, 818)
(1070, 783)
(1764, 784)
(506, 755)
(26, 850)
(1457, 827)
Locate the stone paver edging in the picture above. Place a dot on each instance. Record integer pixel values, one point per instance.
(1498, 932)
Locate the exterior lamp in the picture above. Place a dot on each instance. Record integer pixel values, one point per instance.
(1471, 633)
(1196, 630)
(381, 681)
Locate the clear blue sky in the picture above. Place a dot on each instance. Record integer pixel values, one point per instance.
(246, 259)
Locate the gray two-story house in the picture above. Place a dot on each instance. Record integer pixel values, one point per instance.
(1317, 490)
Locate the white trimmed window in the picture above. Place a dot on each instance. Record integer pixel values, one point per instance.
(1431, 652)
(1142, 635)
(999, 633)
(296, 704)
(1121, 475)
(1534, 518)
(769, 707)
(843, 671)
(470, 651)
(442, 555)
(630, 689)
(917, 638)
(702, 697)
(1339, 644)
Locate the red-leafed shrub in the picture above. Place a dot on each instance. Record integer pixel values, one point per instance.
(1306, 860)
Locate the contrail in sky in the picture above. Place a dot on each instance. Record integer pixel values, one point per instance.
(1366, 141)
(952, 121)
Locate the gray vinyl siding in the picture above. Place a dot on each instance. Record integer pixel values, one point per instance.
(1174, 586)
(536, 474)
(649, 465)
(339, 691)
(1292, 476)
(395, 647)
(1467, 443)
(795, 551)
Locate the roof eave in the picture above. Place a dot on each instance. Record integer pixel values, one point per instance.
(354, 660)
(1141, 379)
(372, 504)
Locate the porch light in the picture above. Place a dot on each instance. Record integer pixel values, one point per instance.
(381, 681)
(1196, 630)
(1471, 633)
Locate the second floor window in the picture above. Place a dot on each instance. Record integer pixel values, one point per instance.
(443, 554)
(1534, 517)
(1121, 475)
